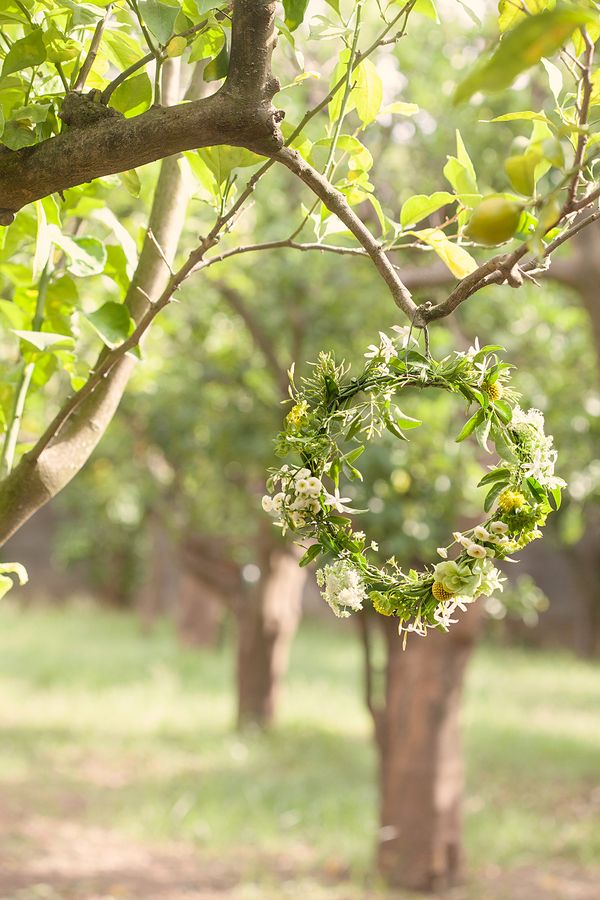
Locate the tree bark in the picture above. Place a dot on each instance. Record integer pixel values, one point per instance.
(100, 141)
(267, 621)
(420, 757)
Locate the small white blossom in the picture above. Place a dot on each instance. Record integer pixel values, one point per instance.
(359, 535)
(302, 485)
(339, 503)
(476, 551)
(374, 545)
(298, 520)
(278, 501)
(481, 533)
(441, 551)
(498, 527)
(302, 473)
(314, 485)
(267, 503)
(457, 535)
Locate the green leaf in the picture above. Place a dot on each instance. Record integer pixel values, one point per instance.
(404, 421)
(354, 454)
(393, 428)
(470, 425)
(131, 182)
(493, 494)
(218, 67)
(504, 410)
(159, 17)
(368, 92)
(422, 205)
(310, 554)
(208, 44)
(43, 340)
(133, 96)
(526, 115)
(521, 48)
(29, 51)
(112, 323)
(426, 8)
(86, 255)
(294, 12)
(493, 476)
(400, 108)
(555, 493)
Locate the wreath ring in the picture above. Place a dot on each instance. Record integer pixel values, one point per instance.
(333, 417)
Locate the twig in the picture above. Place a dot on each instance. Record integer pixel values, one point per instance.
(337, 203)
(584, 95)
(93, 51)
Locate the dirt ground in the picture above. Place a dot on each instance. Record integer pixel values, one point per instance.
(63, 858)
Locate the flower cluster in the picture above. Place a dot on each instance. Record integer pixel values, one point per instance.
(342, 587)
(332, 411)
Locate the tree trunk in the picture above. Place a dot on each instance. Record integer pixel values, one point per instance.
(267, 620)
(198, 611)
(420, 756)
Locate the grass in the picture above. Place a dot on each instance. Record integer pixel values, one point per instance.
(141, 728)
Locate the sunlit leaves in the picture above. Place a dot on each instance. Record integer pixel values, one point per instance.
(133, 96)
(26, 52)
(455, 257)
(417, 208)
(531, 39)
(159, 17)
(294, 12)
(112, 323)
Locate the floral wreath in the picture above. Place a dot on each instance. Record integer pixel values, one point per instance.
(333, 417)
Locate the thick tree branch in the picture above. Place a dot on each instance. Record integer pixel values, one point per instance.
(337, 203)
(239, 114)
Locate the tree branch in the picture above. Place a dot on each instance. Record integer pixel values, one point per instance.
(112, 144)
(337, 203)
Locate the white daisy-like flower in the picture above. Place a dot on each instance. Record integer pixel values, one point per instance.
(374, 545)
(278, 501)
(267, 503)
(481, 533)
(302, 485)
(298, 520)
(302, 473)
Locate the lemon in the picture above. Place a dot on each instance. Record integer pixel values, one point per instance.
(494, 221)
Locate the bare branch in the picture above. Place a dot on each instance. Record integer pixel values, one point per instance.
(93, 51)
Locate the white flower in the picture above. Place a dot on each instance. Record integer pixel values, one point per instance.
(476, 551)
(457, 535)
(443, 612)
(465, 541)
(314, 485)
(374, 545)
(403, 332)
(372, 352)
(342, 587)
(498, 527)
(473, 349)
(500, 540)
(441, 551)
(267, 503)
(302, 473)
(302, 485)
(338, 503)
(298, 520)
(278, 501)
(481, 533)
(359, 535)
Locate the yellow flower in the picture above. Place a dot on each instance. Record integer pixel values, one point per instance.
(439, 591)
(509, 501)
(494, 391)
(297, 414)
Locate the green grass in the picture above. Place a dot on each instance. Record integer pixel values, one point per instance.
(142, 729)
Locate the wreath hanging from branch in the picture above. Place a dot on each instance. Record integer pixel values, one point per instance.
(332, 419)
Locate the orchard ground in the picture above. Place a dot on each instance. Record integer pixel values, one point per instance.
(122, 778)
